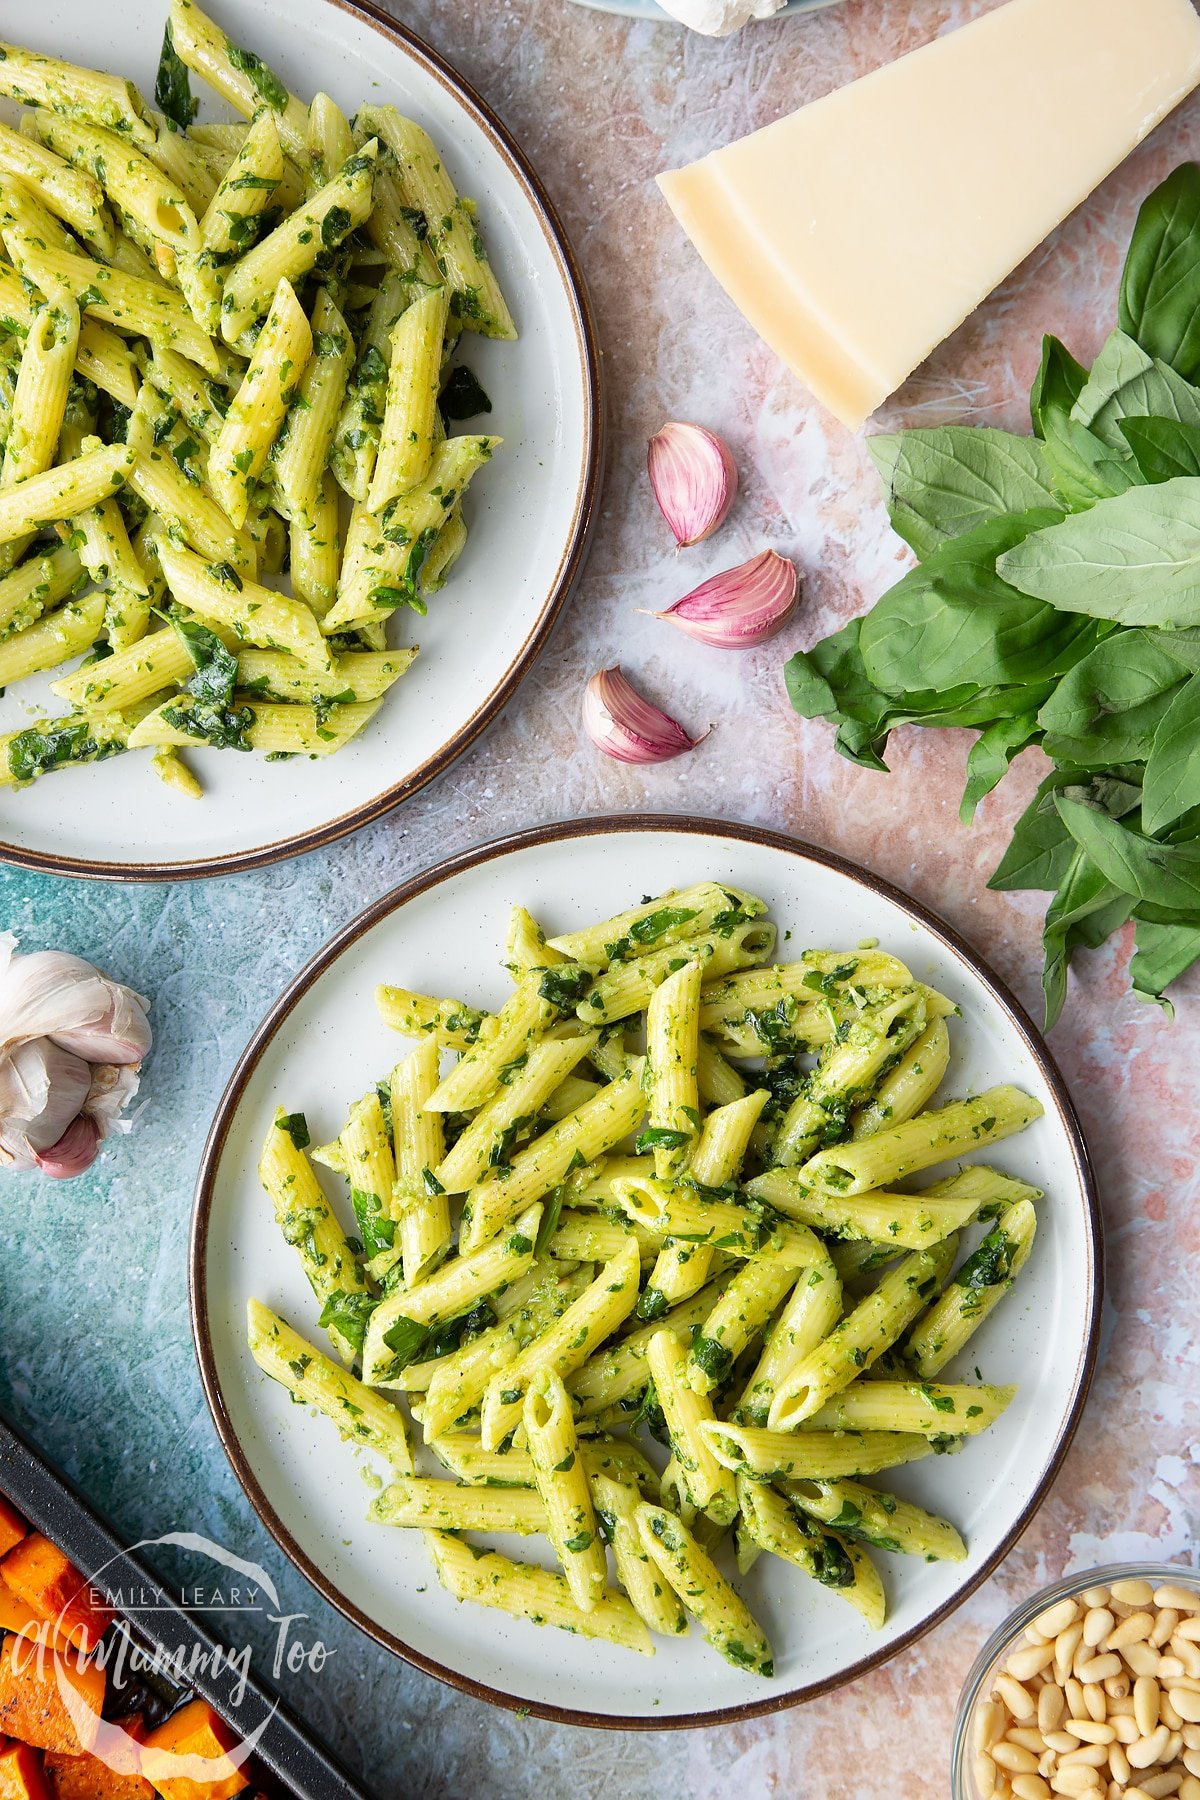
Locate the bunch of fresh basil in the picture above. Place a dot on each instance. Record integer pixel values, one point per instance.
(1057, 602)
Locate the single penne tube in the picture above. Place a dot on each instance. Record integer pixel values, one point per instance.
(355, 675)
(361, 1416)
(102, 543)
(230, 221)
(709, 1484)
(816, 978)
(739, 1317)
(811, 1455)
(562, 1485)
(726, 1621)
(407, 436)
(488, 1140)
(618, 1372)
(908, 1088)
(302, 451)
(848, 1070)
(255, 614)
(37, 585)
(861, 1337)
(936, 1410)
(683, 1267)
(670, 919)
(625, 987)
(109, 100)
(566, 1345)
(39, 400)
(569, 1096)
(420, 1198)
(451, 230)
(132, 674)
(973, 1291)
(73, 195)
(403, 1320)
(273, 730)
(330, 140)
(528, 1592)
(590, 1237)
(719, 1082)
(61, 492)
(508, 1037)
(461, 1378)
(653, 1598)
(55, 638)
(463, 1454)
(238, 75)
(599, 1125)
(186, 163)
(289, 252)
(306, 1219)
(672, 1033)
(525, 946)
(257, 411)
(680, 1213)
(187, 514)
(106, 359)
(390, 229)
(366, 1156)
(780, 1527)
(932, 1137)
(356, 434)
(808, 1315)
(46, 744)
(447, 547)
(383, 562)
(442, 1506)
(138, 187)
(454, 1024)
(910, 1221)
(869, 1516)
(314, 548)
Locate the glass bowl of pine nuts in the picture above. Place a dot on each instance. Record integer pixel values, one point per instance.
(1091, 1689)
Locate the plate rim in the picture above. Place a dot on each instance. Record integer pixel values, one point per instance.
(578, 543)
(536, 837)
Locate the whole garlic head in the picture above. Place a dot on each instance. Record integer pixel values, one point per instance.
(718, 18)
(71, 1044)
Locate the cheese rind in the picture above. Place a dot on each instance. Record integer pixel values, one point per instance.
(860, 231)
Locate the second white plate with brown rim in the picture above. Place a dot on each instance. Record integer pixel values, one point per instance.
(321, 1046)
(529, 515)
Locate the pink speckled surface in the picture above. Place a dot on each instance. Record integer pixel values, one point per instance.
(602, 105)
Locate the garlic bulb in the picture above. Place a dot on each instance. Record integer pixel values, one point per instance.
(694, 478)
(626, 727)
(740, 606)
(71, 1044)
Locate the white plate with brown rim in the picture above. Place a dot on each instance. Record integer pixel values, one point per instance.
(322, 1045)
(529, 516)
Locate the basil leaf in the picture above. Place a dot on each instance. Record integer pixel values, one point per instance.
(1108, 707)
(296, 1126)
(1124, 381)
(172, 84)
(349, 1314)
(1084, 894)
(463, 397)
(1082, 469)
(1040, 850)
(1135, 559)
(1163, 874)
(1162, 953)
(1163, 448)
(1172, 781)
(941, 483)
(1160, 285)
(1057, 385)
(263, 80)
(990, 755)
(407, 1338)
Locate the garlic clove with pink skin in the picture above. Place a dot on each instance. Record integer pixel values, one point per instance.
(740, 606)
(43, 1089)
(694, 479)
(627, 727)
(54, 995)
(75, 1151)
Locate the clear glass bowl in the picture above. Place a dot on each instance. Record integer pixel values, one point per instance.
(1002, 1640)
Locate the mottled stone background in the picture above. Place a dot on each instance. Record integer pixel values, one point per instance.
(95, 1351)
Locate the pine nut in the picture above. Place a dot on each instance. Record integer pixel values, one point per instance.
(1090, 1731)
(1191, 1762)
(1117, 1687)
(1164, 1625)
(1060, 1741)
(985, 1776)
(1185, 1599)
(1133, 1593)
(1174, 1746)
(1132, 1630)
(1056, 1618)
(1169, 1668)
(1093, 1756)
(1065, 1646)
(1189, 1788)
(1191, 1737)
(1050, 1707)
(1098, 1668)
(1076, 1704)
(1096, 1701)
(1187, 1651)
(1013, 1757)
(1118, 1763)
(1028, 1736)
(1149, 1750)
(1189, 1628)
(1167, 1712)
(1125, 1726)
(1030, 1787)
(1159, 1786)
(1145, 1704)
(1026, 1663)
(1095, 1596)
(1143, 1659)
(987, 1725)
(1075, 1781)
(1096, 1625)
(1015, 1697)
(1136, 1793)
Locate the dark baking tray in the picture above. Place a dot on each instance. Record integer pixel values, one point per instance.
(293, 1760)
